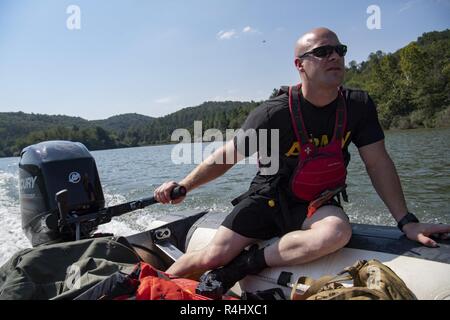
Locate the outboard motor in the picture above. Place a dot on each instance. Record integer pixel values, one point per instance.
(46, 169)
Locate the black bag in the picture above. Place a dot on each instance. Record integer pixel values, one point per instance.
(64, 270)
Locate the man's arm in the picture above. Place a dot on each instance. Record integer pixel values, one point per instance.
(386, 182)
(384, 178)
(211, 168)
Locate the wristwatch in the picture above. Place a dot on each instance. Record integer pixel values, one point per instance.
(409, 217)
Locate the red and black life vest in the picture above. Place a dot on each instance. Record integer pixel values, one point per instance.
(321, 172)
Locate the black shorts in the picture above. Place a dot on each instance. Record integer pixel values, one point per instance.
(253, 217)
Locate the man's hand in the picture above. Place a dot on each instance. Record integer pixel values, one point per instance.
(162, 193)
(422, 232)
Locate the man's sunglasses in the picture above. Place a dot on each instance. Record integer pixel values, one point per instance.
(325, 51)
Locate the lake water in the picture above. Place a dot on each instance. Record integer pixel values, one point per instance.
(422, 158)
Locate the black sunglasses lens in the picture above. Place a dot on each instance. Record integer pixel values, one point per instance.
(324, 51)
(341, 50)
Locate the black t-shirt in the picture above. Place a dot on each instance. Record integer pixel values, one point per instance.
(362, 127)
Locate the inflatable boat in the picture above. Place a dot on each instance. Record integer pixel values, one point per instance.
(426, 271)
(61, 200)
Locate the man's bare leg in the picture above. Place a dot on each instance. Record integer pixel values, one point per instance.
(225, 245)
(325, 232)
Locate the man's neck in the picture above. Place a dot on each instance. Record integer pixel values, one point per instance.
(320, 97)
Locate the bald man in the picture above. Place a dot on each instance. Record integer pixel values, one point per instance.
(273, 210)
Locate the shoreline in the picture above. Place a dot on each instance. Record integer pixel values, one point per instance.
(394, 130)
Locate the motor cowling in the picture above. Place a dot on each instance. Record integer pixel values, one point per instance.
(47, 168)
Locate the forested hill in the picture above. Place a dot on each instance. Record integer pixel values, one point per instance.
(15, 125)
(123, 122)
(218, 115)
(18, 129)
(410, 86)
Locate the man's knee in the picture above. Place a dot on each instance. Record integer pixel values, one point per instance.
(336, 232)
(332, 226)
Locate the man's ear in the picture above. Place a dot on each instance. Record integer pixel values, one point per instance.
(299, 64)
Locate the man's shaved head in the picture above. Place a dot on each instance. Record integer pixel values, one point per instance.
(309, 39)
(324, 72)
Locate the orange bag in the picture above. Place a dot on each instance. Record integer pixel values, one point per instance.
(158, 285)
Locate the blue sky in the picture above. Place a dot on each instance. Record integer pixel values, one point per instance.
(156, 57)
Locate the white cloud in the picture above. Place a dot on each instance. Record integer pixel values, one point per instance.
(238, 95)
(226, 35)
(250, 30)
(230, 34)
(164, 100)
(412, 3)
(408, 5)
(227, 98)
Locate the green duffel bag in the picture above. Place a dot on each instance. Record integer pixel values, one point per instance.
(64, 270)
(372, 280)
